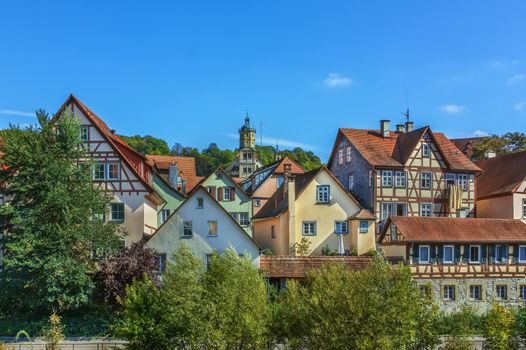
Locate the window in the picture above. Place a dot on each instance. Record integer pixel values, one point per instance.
(387, 178)
(348, 154)
(449, 254)
(501, 292)
(474, 254)
(425, 180)
(475, 292)
(84, 134)
(524, 208)
(426, 291)
(449, 293)
(219, 175)
(522, 254)
(341, 227)
(257, 202)
(160, 262)
(113, 170)
(243, 219)
(340, 157)
(350, 182)
(400, 179)
(165, 213)
(364, 226)
(187, 228)
(208, 260)
(322, 194)
(463, 181)
(99, 171)
(212, 228)
(272, 232)
(501, 253)
(370, 178)
(226, 194)
(451, 179)
(200, 203)
(426, 209)
(426, 150)
(522, 292)
(423, 251)
(117, 212)
(279, 180)
(387, 210)
(309, 228)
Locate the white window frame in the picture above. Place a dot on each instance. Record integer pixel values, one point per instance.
(112, 218)
(383, 214)
(97, 170)
(471, 261)
(400, 179)
(426, 150)
(257, 202)
(523, 260)
(308, 228)
(364, 229)
(449, 288)
(108, 164)
(350, 182)
(426, 179)
(423, 209)
(463, 181)
(504, 288)
(471, 295)
(387, 178)
(451, 177)
(348, 153)
(340, 157)
(420, 261)
(185, 226)
(323, 194)
(522, 291)
(341, 227)
(452, 254)
(226, 194)
(244, 220)
(84, 130)
(165, 214)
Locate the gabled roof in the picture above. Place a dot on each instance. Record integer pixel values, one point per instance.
(190, 196)
(277, 167)
(232, 179)
(134, 160)
(395, 149)
(501, 175)
(186, 167)
(279, 203)
(466, 145)
(457, 230)
(364, 215)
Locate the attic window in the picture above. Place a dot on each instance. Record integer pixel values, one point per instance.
(84, 134)
(425, 150)
(219, 175)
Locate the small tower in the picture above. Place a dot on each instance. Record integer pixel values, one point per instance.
(247, 135)
(246, 160)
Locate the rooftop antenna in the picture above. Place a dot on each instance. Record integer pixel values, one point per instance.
(261, 140)
(406, 114)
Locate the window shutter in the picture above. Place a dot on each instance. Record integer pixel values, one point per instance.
(493, 254)
(466, 253)
(213, 192)
(220, 193)
(457, 253)
(232, 193)
(415, 253)
(515, 253)
(483, 254)
(505, 252)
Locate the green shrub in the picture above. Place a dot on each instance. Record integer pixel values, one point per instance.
(500, 328)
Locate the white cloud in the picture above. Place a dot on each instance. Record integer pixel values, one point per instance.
(480, 133)
(503, 64)
(273, 141)
(452, 109)
(335, 80)
(516, 79)
(17, 113)
(521, 106)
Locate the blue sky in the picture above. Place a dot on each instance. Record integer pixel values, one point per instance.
(188, 71)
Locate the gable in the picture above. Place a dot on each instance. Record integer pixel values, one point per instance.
(417, 158)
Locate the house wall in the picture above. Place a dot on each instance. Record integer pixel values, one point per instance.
(262, 235)
(357, 167)
(265, 191)
(395, 251)
(172, 198)
(497, 207)
(241, 203)
(230, 235)
(362, 242)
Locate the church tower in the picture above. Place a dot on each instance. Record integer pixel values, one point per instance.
(246, 160)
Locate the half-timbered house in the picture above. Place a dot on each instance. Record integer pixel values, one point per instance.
(119, 170)
(404, 172)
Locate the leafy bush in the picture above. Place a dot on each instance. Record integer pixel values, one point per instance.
(499, 328)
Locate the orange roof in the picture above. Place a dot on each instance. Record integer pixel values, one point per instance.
(298, 266)
(394, 150)
(364, 215)
(186, 167)
(445, 229)
(501, 175)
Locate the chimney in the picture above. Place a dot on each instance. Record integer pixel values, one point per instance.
(291, 200)
(288, 175)
(400, 128)
(173, 175)
(384, 127)
(408, 126)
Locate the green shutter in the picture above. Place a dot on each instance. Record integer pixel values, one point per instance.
(483, 253)
(466, 253)
(415, 253)
(457, 253)
(493, 254)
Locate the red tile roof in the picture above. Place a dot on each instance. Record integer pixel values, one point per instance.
(466, 145)
(444, 229)
(394, 150)
(501, 175)
(186, 167)
(298, 266)
(364, 215)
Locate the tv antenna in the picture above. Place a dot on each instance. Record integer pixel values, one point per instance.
(406, 114)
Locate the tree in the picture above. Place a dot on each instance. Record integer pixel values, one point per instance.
(50, 222)
(337, 308)
(507, 143)
(147, 144)
(239, 313)
(122, 268)
(460, 325)
(499, 328)
(301, 248)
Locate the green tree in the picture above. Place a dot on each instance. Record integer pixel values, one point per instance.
(50, 225)
(239, 314)
(500, 327)
(147, 144)
(507, 143)
(337, 308)
(301, 248)
(460, 325)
